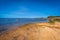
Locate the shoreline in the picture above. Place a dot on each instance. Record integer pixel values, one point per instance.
(34, 31)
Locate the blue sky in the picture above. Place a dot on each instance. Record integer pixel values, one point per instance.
(29, 8)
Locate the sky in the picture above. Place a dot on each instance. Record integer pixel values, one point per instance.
(29, 8)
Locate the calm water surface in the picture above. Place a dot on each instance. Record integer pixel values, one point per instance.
(8, 23)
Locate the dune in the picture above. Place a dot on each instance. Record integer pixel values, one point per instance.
(34, 31)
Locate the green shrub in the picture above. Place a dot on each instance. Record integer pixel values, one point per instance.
(51, 22)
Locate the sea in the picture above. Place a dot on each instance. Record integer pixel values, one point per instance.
(10, 23)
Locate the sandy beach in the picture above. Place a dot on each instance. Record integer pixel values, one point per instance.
(35, 31)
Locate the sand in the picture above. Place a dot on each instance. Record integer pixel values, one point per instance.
(35, 31)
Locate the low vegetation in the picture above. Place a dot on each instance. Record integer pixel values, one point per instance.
(53, 19)
(51, 22)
